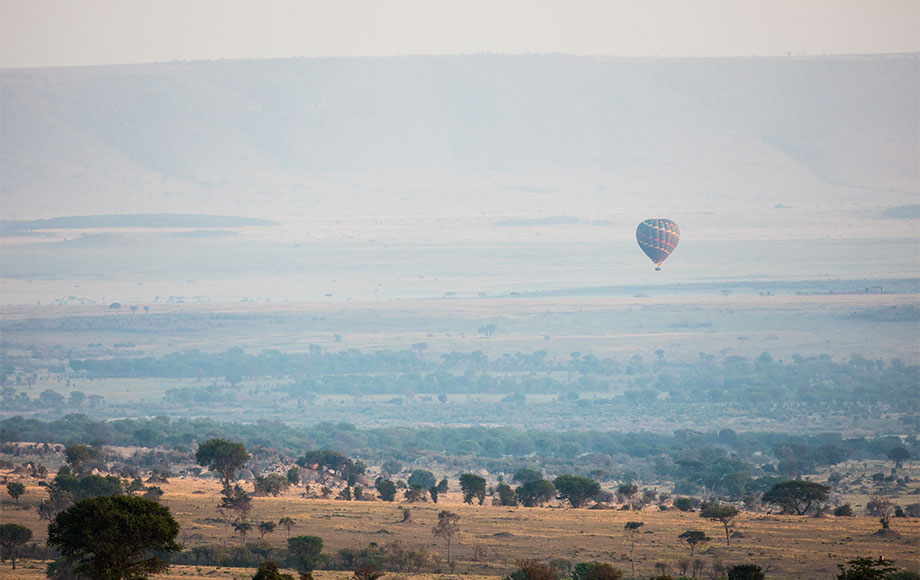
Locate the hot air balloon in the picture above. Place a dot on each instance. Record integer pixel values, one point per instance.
(658, 238)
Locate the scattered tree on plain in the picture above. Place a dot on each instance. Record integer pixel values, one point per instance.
(236, 499)
(473, 486)
(386, 489)
(243, 529)
(16, 490)
(693, 539)
(266, 528)
(535, 493)
(576, 490)
(224, 457)
(628, 491)
(422, 478)
(305, 553)
(447, 527)
(287, 523)
(723, 513)
(13, 537)
(631, 529)
(506, 496)
(796, 496)
(883, 508)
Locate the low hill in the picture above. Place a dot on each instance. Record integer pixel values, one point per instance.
(460, 135)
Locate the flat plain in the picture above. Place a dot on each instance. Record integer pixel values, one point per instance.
(788, 547)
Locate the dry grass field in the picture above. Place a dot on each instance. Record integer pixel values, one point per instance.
(789, 547)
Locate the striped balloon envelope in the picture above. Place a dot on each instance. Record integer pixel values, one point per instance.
(658, 238)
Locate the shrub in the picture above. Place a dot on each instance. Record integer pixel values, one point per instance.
(745, 572)
(845, 510)
(532, 570)
(684, 504)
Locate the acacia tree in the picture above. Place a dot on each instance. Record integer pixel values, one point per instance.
(235, 499)
(15, 489)
(224, 457)
(631, 529)
(13, 537)
(576, 490)
(266, 528)
(865, 569)
(796, 496)
(305, 552)
(113, 537)
(473, 486)
(448, 525)
(288, 524)
(694, 538)
(243, 529)
(628, 491)
(723, 513)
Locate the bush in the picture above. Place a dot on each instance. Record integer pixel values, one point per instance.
(532, 570)
(595, 571)
(269, 571)
(745, 572)
(844, 511)
(684, 504)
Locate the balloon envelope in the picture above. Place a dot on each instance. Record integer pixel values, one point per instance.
(658, 238)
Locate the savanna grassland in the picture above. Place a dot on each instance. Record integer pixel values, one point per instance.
(493, 537)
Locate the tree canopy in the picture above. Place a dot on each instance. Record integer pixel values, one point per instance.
(13, 537)
(796, 496)
(694, 538)
(535, 492)
(305, 552)
(473, 486)
(386, 489)
(114, 537)
(576, 490)
(723, 513)
(269, 571)
(422, 478)
(224, 457)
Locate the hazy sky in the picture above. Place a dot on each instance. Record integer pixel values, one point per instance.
(70, 32)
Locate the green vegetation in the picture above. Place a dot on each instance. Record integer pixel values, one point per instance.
(113, 537)
(222, 456)
(12, 538)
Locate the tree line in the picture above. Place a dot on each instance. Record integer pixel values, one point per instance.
(815, 380)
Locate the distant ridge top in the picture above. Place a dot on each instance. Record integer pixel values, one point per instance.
(160, 220)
